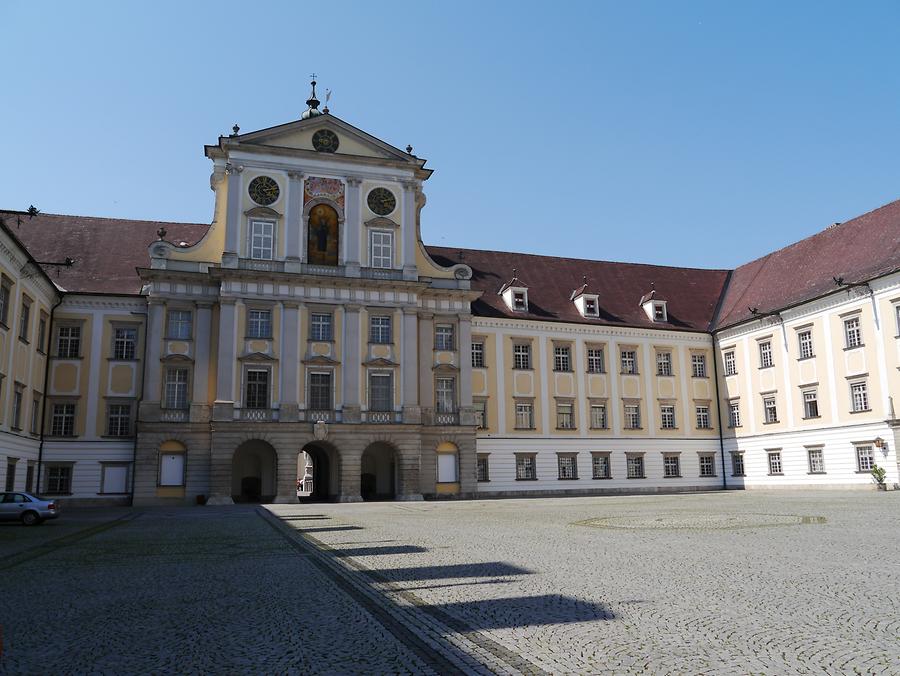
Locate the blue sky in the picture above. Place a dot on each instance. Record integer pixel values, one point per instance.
(696, 133)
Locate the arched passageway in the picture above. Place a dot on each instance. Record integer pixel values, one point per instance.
(253, 472)
(378, 475)
(317, 473)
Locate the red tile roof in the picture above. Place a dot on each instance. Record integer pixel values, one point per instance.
(691, 294)
(863, 248)
(106, 250)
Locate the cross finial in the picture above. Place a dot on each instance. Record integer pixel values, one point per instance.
(313, 76)
(515, 272)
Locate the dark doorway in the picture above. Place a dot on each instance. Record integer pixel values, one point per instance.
(253, 472)
(378, 476)
(323, 473)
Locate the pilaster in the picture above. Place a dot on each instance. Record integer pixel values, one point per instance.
(410, 189)
(223, 408)
(426, 365)
(352, 363)
(155, 326)
(233, 216)
(466, 410)
(200, 397)
(290, 360)
(293, 220)
(352, 227)
(409, 366)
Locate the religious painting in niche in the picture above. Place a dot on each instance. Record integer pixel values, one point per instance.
(322, 236)
(329, 188)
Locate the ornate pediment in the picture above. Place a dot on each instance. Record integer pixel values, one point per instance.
(320, 360)
(381, 222)
(380, 361)
(262, 212)
(256, 356)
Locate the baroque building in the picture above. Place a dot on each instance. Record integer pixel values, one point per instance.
(308, 332)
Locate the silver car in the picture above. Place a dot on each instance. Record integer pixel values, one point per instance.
(27, 508)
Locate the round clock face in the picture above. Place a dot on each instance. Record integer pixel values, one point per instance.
(263, 190)
(382, 201)
(325, 141)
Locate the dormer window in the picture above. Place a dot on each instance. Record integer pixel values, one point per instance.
(659, 312)
(520, 301)
(588, 304)
(590, 307)
(654, 307)
(515, 294)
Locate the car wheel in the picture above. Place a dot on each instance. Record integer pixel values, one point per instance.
(31, 518)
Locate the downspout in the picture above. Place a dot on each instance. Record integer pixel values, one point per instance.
(137, 411)
(49, 339)
(719, 412)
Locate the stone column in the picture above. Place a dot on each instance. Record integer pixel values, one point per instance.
(293, 223)
(286, 474)
(352, 226)
(351, 452)
(352, 364)
(466, 410)
(409, 235)
(426, 366)
(409, 367)
(156, 311)
(409, 462)
(200, 398)
(220, 456)
(223, 407)
(233, 216)
(290, 361)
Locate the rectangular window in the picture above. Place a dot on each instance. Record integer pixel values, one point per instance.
(259, 324)
(810, 404)
(59, 479)
(114, 478)
(42, 333)
(18, 395)
(446, 468)
(482, 468)
(68, 344)
(663, 363)
(445, 395)
(698, 365)
(632, 416)
(380, 329)
(775, 462)
(737, 464)
(5, 292)
(730, 363)
(595, 360)
(671, 466)
(320, 391)
(124, 342)
(480, 414)
(707, 465)
(525, 467)
(443, 337)
(381, 391)
(600, 465)
(702, 417)
(816, 460)
(36, 415)
(320, 326)
(635, 464)
(381, 249)
(770, 412)
(667, 416)
(865, 458)
(562, 358)
(806, 344)
(179, 325)
(629, 361)
(564, 418)
(568, 466)
(171, 469)
(598, 416)
(522, 356)
(734, 414)
(765, 355)
(859, 395)
(477, 355)
(118, 420)
(176, 390)
(62, 423)
(257, 389)
(852, 333)
(520, 303)
(262, 240)
(524, 416)
(25, 321)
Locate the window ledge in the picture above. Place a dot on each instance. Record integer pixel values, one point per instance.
(637, 477)
(484, 481)
(728, 375)
(738, 475)
(14, 428)
(525, 429)
(673, 476)
(771, 422)
(113, 493)
(61, 436)
(41, 352)
(776, 474)
(855, 347)
(629, 373)
(668, 428)
(180, 340)
(706, 429)
(117, 436)
(24, 340)
(602, 478)
(567, 478)
(522, 368)
(812, 356)
(595, 373)
(638, 429)
(762, 368)
(700, 377)
(599, 429)
(532, 479)
(258, 338)
(56, 356)
(863, 471)
(862, 410)
(810, 417)
(707, 476)
(816, 472)
(566, 429)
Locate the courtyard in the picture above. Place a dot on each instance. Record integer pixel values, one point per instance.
(738, 582)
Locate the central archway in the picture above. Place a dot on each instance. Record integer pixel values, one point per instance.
(253, 472)
(378, 473)
(324, 473)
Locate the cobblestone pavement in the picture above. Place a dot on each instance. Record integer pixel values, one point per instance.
(719, 583)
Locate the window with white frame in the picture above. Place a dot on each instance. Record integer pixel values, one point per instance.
(897, 318)
(520, 301)
(62, 422)
(477, 354)
(443, 337)
(629, 361)
(445, 395)
(775, 462)
(635, 465)
(567, 464)
(804, 338)
(865, 458)
(730, 363)
(381, 249)
(118, 419)
(632, 416)
(707, 465)
(42, 332)
(663, 363)
(320, 326)
(600, 468)
(852, 333)
(522, 356)
(5, 294)
(737, 464)
(816, 460)
(124, 342)
(36, 415)
(18, 398)
(320, 391)
(590, 307)
(262, 240)
(380, 329)
(765, 354)
(770, 412)
(482, 468)
(259, 323)
(702, 414)
(176, 388)
(179, 325)
(565, 419)
(859, 396)
(524, 416)
(734, 414)
(25, 319)
(171, 469)
(810, 404)
(526, 469)
(562, 358)
(698, 365)
(59, 479)
(447, 468)
(381, 391)
(256, 393)
(667, 416)
(480, 407)
(598, 417)
(68, 342)
(671, 465)
(595, 363)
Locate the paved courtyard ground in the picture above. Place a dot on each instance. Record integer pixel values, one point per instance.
(738, 582)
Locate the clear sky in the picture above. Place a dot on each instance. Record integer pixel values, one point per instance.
(684, 133)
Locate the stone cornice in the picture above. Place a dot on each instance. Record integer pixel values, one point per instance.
(609, 332)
